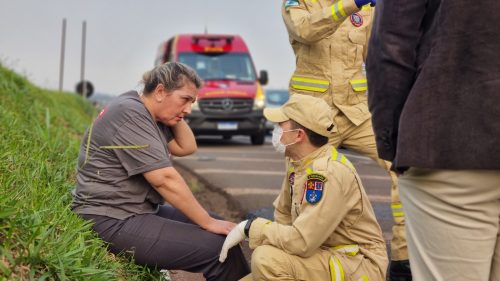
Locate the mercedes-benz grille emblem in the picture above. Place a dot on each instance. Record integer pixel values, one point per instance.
(227, 104)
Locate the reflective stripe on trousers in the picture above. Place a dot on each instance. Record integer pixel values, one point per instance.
(397, 210)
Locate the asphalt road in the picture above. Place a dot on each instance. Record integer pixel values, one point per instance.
(252, 175)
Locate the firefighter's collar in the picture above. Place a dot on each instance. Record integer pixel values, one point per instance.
(305, 161)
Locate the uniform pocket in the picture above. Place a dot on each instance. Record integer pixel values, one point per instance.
(357, 40)
(358, 36)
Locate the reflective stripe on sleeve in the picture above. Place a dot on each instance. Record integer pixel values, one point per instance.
(359, 85)
(338, 12)
(315, 85)
(397, 210)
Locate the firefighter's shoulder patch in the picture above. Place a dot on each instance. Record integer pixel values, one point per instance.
(314, 187)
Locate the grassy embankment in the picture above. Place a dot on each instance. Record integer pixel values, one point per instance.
(40, 238)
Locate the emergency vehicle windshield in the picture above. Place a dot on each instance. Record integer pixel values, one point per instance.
(227, 66)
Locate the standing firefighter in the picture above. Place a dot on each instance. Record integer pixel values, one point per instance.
(330, 39)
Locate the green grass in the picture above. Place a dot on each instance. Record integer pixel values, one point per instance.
(40, 238)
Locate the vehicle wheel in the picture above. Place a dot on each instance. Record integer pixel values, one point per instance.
(226, 137)
(258, 139)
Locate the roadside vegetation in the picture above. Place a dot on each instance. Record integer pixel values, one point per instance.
(40, 238)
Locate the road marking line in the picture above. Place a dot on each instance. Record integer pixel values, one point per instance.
(239, 172)
(238, 159)
(374, 177)
(269, 173)
(268, 149)
(379, 198)
(245, 152)
(239, 151)
(349, 155)
(246, 159)
(238, 191)
(251, 191)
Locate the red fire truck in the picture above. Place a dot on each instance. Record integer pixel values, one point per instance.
(231, 101)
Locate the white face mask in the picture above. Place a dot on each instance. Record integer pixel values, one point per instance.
(276, 139)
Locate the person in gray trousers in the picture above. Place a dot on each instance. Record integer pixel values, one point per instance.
(125, 175)
(434, 93)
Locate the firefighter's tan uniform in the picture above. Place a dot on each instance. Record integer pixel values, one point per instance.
(330, 39)
(324, 229)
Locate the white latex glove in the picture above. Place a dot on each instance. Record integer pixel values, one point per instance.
(233, 238)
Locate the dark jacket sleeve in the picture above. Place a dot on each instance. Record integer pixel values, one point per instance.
(391, 66)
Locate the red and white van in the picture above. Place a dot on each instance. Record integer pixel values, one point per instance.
(231, 101)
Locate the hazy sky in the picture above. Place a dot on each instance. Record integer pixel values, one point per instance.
(123, 37)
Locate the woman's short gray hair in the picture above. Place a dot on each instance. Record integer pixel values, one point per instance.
(172, 75)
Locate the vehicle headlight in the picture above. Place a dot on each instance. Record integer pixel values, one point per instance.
(260, 98)
(259, 104)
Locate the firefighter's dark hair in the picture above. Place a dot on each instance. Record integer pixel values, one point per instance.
(315, 138)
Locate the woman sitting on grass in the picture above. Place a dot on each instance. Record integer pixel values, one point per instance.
(125, 173)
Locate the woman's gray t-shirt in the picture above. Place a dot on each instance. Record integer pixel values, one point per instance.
(125, 142)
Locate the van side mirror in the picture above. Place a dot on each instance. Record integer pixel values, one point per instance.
(263, 79)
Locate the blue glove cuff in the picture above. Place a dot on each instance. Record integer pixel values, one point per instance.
(361, 3)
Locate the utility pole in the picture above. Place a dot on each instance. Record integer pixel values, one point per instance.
(82, 70)
(63, 47)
